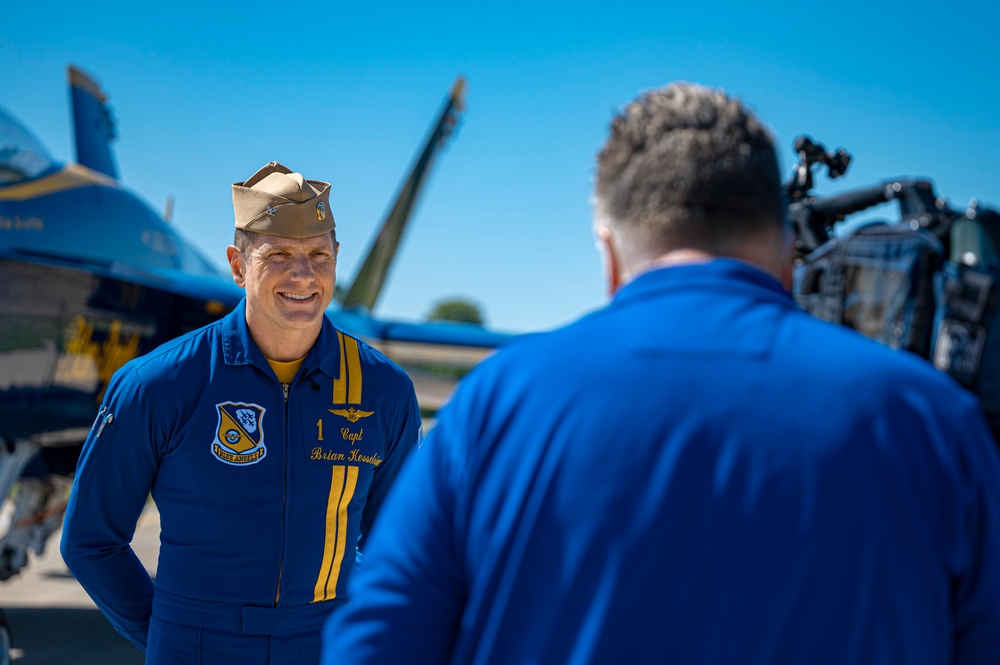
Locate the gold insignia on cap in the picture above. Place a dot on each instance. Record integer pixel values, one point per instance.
(279, 202)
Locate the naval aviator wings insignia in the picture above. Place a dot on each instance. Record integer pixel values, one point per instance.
(352, 414)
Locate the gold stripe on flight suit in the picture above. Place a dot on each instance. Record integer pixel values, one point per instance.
(346, 390)
(340, 383)
(347, 386)
(353, 371)
(332, 506)
(341, 493)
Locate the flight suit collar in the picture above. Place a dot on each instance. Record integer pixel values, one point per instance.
(714, 274)
(238, 347)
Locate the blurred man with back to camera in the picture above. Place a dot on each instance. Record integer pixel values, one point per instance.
(699, 472)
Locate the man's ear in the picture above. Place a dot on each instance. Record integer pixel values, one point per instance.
(612, 263)
(788, 260)
(785, 259)
(236, 265)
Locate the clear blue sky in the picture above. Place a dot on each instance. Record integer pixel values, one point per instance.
(207, 92)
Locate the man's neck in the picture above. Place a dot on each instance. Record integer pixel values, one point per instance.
(672, 258)
(759, 260)
(284, 345)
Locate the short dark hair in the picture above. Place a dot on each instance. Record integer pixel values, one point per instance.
(688, 166)
(244, 240)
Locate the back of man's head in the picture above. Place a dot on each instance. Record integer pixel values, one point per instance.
(688, 167)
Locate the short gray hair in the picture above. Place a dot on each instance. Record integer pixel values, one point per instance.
(688, 166)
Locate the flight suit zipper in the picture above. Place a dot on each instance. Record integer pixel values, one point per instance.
(284, 500)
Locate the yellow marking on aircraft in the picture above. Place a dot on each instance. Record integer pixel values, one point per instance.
(71, 176)
(87, 360)
(78, 78)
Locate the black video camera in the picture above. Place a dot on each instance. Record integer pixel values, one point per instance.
(925, 282)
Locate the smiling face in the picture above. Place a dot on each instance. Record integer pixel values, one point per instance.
(289, 284)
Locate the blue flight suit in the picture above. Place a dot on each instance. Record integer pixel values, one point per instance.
(698, 473)
(265, 492)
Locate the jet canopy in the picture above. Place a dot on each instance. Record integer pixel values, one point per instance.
(22, 156)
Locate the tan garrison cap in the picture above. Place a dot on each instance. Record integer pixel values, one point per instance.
(278, 202)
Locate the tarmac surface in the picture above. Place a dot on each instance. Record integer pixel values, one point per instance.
(52, 619)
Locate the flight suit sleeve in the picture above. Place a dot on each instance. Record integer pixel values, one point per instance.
(977, 590)
(113, 480)
(405, 438)
(407, 598)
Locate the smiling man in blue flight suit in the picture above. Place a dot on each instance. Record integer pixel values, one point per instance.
(268, 439)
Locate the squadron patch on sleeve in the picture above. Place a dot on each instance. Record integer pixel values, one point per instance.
(239, 438)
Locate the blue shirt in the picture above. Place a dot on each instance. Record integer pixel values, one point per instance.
(698, 473)
(264, 490)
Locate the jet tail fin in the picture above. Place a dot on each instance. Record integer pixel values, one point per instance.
(367, 285)
(92, 124)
